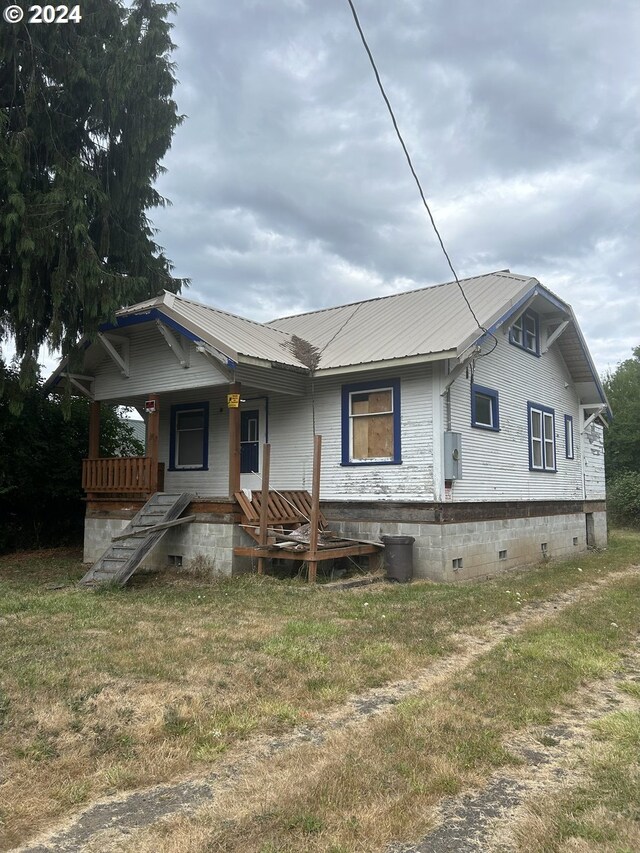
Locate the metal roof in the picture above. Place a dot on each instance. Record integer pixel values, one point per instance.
(420, 322)
(235, 336)
(431, 322)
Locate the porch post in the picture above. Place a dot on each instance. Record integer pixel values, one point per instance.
(153, 434)
(233, 402)
(94, 429)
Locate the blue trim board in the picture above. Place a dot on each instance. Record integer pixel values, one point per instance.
(374, 385)
(156, 314)
(189, 407)
(548, 411)
(568, 431)
(495, 407)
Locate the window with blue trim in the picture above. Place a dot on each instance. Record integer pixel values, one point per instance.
(485, 412)
(371, 423)
(542, 437)
(189, 437)
(525, 332)
(568, 437)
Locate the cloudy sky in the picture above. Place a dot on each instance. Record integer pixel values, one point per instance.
(290, 191)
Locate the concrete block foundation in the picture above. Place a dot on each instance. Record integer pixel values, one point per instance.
(462, 548)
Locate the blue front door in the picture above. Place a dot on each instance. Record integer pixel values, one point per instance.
(249, 442)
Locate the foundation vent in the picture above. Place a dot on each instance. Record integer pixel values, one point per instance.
(457, 563)
(502, 555)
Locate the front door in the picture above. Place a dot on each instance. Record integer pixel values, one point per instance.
(251, 438)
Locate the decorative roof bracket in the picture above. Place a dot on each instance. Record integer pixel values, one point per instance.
(174, 344)
(121, 361)
(553, 337)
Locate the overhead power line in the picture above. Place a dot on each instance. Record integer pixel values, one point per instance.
(413, 171)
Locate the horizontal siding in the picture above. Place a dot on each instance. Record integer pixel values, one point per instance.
(593, 449)
(153, 368)
(495, 465)
(215, 481)
(291, 436)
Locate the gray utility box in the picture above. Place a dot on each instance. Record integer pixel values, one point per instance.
(453, 456)
(398, 557)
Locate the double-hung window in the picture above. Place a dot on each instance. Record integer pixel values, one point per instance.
(189, 437)
(542, 438)
(525, 332)
(371, 423)
(484, 408)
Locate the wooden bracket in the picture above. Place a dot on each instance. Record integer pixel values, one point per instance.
(121, 361)
(174, 344)
(76, 380)
(553, 337)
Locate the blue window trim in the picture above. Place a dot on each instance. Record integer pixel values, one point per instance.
(545, 410)
(495, 407)
(394, 384)
(189, 407)
(536, 320)
(568, 431)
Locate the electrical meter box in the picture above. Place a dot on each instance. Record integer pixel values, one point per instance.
(453, 456)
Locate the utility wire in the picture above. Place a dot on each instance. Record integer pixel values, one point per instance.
(413, 171)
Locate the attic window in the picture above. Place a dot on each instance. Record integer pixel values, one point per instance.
(371, 423)
(525, 332)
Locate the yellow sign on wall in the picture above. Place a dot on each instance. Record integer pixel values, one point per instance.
(233, 401)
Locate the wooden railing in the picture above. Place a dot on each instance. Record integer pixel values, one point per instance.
(122, 475)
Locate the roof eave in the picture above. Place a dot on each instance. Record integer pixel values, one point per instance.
(387, 362)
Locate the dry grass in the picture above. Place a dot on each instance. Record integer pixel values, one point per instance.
(379, 783)
(103, 692)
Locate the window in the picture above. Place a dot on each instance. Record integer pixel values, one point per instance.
(371, 423)
(484, 408)
(189, 437)
(568, 436)
(542, 442)
(525, 332)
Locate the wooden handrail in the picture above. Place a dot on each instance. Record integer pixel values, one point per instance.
(122, 474)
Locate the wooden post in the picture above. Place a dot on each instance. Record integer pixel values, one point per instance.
(264, 503)
(153, 436)
(234, 438)
(315, 508)
(94, 430)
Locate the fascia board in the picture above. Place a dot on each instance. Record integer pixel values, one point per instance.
(386, 363)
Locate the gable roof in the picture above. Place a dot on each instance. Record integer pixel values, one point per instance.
(426, 324)
(428, 321)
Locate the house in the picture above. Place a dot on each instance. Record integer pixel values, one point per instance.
(484, 443)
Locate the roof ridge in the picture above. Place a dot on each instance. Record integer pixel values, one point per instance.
(231, 314)
(506, 273)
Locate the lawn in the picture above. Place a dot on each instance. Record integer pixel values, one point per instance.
(110, 690)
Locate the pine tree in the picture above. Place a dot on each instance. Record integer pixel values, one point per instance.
(86, 115)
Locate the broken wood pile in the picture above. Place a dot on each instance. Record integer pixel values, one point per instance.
(289, 524)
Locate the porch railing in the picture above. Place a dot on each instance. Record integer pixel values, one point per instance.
(122, 475)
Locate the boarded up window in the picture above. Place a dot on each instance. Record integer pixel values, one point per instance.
(372, 424)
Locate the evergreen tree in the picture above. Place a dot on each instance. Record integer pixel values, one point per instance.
(622, 438)
(86, 115)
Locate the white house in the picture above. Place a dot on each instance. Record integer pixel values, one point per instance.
(484, 443)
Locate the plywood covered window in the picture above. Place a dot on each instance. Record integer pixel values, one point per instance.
(371, 423)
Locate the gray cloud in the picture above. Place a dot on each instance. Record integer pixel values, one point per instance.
(290, 191)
